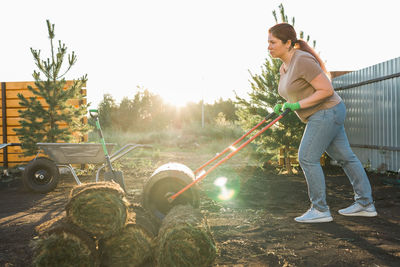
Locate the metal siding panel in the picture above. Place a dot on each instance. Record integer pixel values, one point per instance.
(379, 107)
(396, 127)
(396, 131)
(386, 115)
(393, 123)
(372, 156)
(373, 113)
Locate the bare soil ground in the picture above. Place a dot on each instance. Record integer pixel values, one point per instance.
(255, 228)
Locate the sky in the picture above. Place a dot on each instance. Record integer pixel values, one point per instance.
(187, 50)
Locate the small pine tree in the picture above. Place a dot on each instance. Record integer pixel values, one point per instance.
(42, 124)
(107, 108)
(264, 95)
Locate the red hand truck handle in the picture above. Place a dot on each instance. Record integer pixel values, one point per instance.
(198, 179)
(234, 143)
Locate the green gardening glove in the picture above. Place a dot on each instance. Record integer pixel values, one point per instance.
(291, 106)
(277, 109)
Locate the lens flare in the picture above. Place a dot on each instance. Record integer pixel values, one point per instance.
(225, 193)
(221, 181)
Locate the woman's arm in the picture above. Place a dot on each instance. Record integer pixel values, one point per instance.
(323, 89)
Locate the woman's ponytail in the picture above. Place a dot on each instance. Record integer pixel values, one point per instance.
(286, 32)
(304, 46)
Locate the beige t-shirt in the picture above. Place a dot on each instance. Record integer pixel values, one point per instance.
(294, 84)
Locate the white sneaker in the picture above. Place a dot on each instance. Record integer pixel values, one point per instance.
(358, 210)
(314, 216)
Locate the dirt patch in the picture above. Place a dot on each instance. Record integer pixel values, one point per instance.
(255, 228)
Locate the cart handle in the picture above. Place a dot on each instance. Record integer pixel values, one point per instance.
(173, 197)
(231, 147)
(9, 144)
(120, 153)
(94, 113)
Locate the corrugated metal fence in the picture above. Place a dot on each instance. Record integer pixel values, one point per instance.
(372, 98)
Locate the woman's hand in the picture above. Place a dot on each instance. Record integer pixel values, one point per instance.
(278, 109)
(291, 106)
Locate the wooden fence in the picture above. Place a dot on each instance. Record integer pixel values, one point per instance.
(9, 103)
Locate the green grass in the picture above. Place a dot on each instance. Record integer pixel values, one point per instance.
(210, 140)
(187, 137)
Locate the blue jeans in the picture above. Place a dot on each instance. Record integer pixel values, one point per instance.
(325, 132)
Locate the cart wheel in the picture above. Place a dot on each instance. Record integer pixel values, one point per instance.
(41, 175)
(164, 182)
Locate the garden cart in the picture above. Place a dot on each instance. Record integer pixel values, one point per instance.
(42, 173)
(174, 183)
(8, 175)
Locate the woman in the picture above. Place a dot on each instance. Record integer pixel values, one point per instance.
(305, 85)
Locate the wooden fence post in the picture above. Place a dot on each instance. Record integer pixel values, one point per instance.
(4, 118)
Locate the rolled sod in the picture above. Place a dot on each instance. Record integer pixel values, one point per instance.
(130, 247)
(60, 243)
(134, 245)
(185, 239)
(100, 209)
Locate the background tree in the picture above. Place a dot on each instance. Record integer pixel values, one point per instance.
(122, 119)
(226, 107)
(151, 112)
(107, 107)
(42, 124)
(263, 96)
(147, 112)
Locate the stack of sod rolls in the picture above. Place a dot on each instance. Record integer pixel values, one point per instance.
(107, 231)
(185, 239)
(133, 245)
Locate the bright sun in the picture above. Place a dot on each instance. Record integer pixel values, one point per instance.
(178, 100)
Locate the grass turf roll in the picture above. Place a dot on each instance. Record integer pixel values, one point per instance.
(130, 247)
(60, 243)
(100, 209)
(133, 246)
(185, 239)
